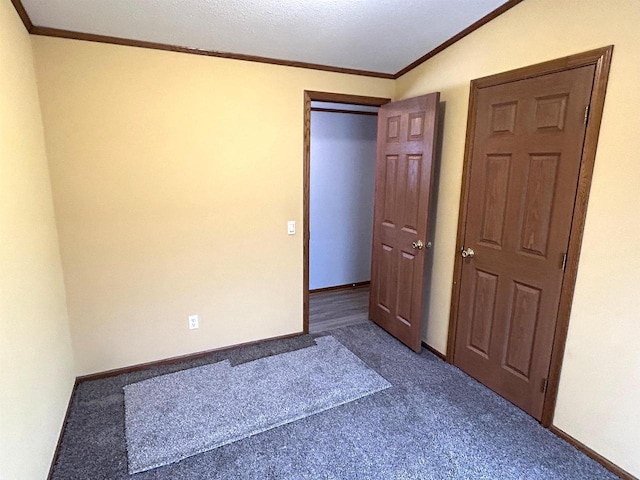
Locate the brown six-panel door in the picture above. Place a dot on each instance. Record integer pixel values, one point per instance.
(525, 161)
(404, 171)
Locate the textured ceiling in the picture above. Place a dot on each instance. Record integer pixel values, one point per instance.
(373, 35)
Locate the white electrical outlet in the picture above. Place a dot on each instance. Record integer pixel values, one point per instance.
(193, 322)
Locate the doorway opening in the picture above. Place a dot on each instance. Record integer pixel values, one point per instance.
(337, 204)
(343, 156)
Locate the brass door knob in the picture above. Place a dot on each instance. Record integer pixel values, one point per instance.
(418, 245)
(467, 253)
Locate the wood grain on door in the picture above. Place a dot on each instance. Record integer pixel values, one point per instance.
(525, 163)
(404, 173)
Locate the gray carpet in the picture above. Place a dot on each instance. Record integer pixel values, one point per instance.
(178, 415)
(434, 423)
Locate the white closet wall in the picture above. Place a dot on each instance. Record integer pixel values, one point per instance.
(343, 152)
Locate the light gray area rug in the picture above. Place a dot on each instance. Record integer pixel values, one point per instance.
(175, 416)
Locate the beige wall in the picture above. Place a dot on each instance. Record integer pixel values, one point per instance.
(36, 372)
(174, 177)
(600, 385)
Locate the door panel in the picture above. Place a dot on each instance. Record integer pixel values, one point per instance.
(496, 186)
(539, 190)
(404, 171)
(389, 189)
(521, 329)
(525, 161)
(484, 302)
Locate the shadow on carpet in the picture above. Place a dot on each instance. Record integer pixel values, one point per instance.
(434, 423)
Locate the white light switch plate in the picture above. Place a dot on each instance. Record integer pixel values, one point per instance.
(291, 227)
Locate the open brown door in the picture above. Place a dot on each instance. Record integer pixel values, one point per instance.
(404, 170)
(524, 167)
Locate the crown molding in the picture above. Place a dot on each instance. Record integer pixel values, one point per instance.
(89, 37)
(470, 29)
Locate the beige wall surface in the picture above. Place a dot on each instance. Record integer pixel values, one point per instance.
(173, 178)
(36, 371)
(600, 385)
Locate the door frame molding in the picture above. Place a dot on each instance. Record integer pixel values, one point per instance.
(601, 58)
(310, 96)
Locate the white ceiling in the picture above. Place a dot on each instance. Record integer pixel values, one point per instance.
(374, 35)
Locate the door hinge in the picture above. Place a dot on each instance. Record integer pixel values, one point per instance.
(543, 385)
(586, 113)
(564, 262)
